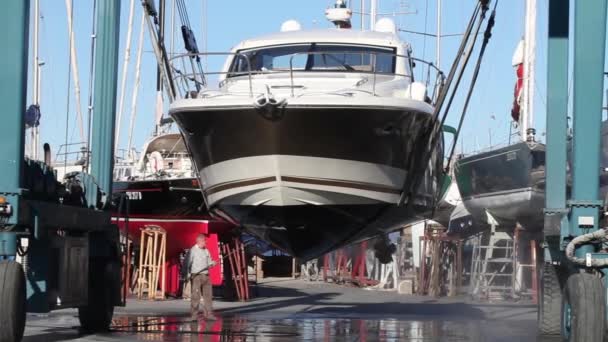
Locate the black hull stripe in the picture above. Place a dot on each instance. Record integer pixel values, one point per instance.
(237, 184)
(341, 183)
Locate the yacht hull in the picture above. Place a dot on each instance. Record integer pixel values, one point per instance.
(505, 186)
(311, 179)
(509, 184)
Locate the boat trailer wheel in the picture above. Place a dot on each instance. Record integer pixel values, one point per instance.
(96, 316)
(12, 299)
(583, 308)
(549, 301)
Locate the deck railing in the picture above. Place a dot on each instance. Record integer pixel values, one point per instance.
(373, 57)
(190, 79)
(195, 79)
(72, 154)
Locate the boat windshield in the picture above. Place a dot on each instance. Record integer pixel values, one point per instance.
(315, 57)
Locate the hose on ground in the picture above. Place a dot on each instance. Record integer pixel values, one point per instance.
(584, 239)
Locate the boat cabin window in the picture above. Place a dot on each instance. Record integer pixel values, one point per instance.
(317, 58)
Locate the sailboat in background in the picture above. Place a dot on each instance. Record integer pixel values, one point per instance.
(506, 185)
(73, 157)
(159, 186)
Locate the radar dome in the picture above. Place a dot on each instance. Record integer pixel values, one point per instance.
(386, 25)
(291, 25)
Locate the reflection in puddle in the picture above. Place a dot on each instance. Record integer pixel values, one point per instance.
(322, 329)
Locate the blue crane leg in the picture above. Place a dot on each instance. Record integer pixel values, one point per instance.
(14, 23)
(557, 121)
(106, 70)
(589, 56)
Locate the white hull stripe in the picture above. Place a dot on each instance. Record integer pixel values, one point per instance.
(304, 180)
(342, 183)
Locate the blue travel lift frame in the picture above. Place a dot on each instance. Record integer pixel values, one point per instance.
(573, 282)
(71, 252)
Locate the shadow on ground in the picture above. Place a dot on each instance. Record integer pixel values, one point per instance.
(327, 304)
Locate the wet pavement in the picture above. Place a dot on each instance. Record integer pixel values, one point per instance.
(287, 310)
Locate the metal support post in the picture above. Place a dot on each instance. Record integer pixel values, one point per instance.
(582, 306)
(104, 106)
(557, 123)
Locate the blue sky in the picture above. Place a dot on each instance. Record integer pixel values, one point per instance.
(229, 22)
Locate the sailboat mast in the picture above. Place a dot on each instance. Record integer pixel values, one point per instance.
(172, 42)
(373, 14)
(161, 40)
(527, 120)
(363, 15)
(74, 68)
(125, 72)
(159, 74)
(135, 90)
(205, 27)
(438, 46)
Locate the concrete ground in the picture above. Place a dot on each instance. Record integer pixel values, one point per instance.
(287, 310)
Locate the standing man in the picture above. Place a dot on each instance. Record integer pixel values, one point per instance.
(199, 263)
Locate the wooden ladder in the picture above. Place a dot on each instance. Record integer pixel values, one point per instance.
(153, 247)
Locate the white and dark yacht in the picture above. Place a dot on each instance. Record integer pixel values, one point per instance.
(315, 138)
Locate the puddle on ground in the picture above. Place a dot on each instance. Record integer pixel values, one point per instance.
(235, 328)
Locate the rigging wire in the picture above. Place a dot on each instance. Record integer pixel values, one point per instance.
(49, 60)
(456, 64)
(462, 69)
(159, 48)
(67, 110)
(486, 40)
(191, 46)
(458, 67)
